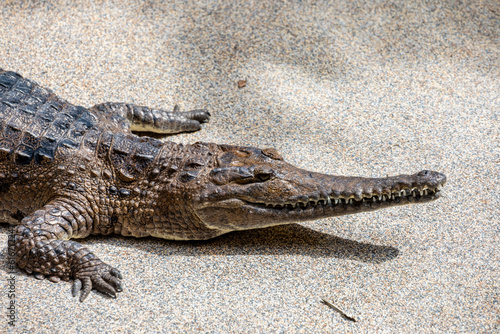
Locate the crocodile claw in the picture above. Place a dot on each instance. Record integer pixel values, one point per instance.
(101, 277)
(200, 115)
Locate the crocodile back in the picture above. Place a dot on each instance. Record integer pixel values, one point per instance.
(35, 123)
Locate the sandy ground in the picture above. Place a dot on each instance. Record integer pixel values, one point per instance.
(353, 87)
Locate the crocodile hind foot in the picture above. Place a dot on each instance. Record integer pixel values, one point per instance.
(145, 119)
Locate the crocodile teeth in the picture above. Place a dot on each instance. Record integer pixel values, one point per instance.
(329, 201)
(393, 196)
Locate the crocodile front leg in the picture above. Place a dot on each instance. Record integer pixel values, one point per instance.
(155, 120)
(42, 248)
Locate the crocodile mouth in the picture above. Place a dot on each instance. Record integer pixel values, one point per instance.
(364, 202)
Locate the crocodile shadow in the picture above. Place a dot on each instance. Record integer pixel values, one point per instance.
(292, 239)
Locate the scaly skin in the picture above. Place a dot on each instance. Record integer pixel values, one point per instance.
(67, 172)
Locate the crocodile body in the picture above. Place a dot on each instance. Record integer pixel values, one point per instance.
(67, 172)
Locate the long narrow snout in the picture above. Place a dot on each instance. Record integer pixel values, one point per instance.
(294, 195)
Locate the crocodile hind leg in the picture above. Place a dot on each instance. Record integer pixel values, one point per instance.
(42, 248)
(154, 120)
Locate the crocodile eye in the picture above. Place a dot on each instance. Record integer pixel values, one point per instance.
(262, 177)
(262, 173)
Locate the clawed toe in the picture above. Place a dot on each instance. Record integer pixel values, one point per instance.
(115, 272)
(102, 278)
(200, 115)
(77, 286)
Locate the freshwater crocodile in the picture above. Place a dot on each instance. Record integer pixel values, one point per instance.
(67, 172)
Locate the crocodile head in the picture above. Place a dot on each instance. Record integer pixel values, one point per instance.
(252, 188)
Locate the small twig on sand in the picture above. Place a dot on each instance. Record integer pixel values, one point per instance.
(336, 308)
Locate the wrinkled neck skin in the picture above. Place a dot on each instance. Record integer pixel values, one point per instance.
(246, 188)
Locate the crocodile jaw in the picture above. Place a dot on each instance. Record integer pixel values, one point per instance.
(331, 196)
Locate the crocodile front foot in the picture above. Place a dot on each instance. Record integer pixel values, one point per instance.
(42, 247)
(98, 275)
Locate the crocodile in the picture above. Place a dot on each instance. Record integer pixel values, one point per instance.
(67, 172)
